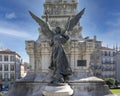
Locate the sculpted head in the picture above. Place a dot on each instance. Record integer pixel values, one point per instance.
(58, 30)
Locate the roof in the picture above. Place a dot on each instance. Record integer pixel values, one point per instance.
(8, 51)
(106, 48)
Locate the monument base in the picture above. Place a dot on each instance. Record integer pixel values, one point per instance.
(91, 86)
(37, 85)
(57, 90)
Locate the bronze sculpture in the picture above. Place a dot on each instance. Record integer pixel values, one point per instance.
(59, 62)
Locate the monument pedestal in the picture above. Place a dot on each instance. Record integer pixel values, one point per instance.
(64, 90)
(37, 85)
(91, 86)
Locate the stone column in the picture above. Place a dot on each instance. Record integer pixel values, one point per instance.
(30, 48)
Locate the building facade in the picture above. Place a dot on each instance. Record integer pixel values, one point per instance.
(108, 62)
(9, 66)
(117, 59)
(94, 57)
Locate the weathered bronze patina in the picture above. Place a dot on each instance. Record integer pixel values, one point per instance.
(59, 62)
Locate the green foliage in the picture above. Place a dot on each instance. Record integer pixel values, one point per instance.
(112, 83)
(117, 82)
(109, 82)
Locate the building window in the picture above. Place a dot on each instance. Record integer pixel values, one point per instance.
(12, 67)
(73, 0)
(6, 76)
(109, 53)
(105, 53)
(5, 58)
(98, 57)
(0, 67)
(0, 57)
(12, 76)
(0, 76)
(12, 58)
(113, 53)
(60, 0)
(111, 60)
(5, 67)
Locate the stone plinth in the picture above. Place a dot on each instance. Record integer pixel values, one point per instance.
(37, 85)
(57, 90)
(91, 86)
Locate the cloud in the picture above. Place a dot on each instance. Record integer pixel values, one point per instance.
(15, 33)
(115, 21)
(111, 30)
(111, 37)
(117, 14)
(1, 46)
(21, 29)
(10, 15)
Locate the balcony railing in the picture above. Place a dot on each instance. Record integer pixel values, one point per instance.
(108, 76)
(95, 67)
(108, 62)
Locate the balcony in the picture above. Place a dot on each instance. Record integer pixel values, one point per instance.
(106, 62)
(98, 74)
(108, 76)
(108, 69)
(95, 67)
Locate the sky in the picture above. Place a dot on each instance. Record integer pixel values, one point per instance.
(101, 18)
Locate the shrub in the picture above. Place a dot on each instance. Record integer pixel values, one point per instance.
(117, 82)
(112, 83)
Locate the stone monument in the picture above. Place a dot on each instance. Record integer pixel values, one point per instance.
(48, 78)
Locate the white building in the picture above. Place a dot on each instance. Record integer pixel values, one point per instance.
(117, 59)
(9, 65)
(94, 58)
(108, 62)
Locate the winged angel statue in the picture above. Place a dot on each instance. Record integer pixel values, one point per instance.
(59, 63)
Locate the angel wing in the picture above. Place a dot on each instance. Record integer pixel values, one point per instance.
(45, 29)
(72, 22)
